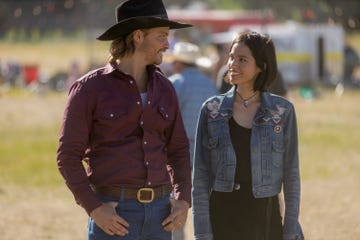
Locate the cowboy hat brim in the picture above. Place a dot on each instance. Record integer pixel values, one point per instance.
(131, 24)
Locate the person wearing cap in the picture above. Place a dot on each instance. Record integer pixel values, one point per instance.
(122, 122)
(192, 86)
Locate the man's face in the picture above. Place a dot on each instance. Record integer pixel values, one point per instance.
(155, 44)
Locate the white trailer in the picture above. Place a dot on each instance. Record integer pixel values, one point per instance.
(306, 54)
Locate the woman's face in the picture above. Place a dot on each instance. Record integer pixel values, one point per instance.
(241, 65)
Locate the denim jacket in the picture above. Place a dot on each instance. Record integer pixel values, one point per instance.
(274, 158)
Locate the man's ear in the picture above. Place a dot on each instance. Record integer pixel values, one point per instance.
(138, 36)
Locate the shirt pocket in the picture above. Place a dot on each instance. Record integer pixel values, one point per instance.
(110, 114)
(110, 122)
(165, 113)
(162, 121)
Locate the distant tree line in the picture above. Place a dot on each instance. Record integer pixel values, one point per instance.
(73, 15)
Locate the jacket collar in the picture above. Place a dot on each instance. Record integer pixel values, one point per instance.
(228, 102)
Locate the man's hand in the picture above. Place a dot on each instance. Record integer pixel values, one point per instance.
(108, 220)
(177, 218)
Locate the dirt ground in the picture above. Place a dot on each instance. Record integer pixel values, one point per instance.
(330, 207)
(329, 211)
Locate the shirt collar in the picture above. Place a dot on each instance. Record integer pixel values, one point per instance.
(111, 67)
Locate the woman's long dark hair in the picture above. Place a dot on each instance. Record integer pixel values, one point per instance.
(263, 50)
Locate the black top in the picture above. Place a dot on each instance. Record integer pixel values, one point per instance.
(238, 214)
(240, 137)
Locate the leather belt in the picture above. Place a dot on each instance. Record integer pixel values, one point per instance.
(143, 195)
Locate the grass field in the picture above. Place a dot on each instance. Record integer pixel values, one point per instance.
(35, 204)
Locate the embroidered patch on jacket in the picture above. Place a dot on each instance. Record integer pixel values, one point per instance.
(276, 115)
(274, 118)
(213, 107)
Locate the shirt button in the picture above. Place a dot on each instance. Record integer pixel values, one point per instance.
(147, 163)
(166, 116)
(145, 142)
(149, 183)
(149, 102)
(138, 102)
(141, 123)
(131, 81)
(111, 115)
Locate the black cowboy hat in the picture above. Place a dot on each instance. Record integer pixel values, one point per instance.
(139, 14)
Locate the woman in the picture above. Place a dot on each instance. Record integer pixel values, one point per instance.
(246, 150)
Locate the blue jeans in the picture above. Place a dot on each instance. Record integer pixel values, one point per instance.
(144, 220)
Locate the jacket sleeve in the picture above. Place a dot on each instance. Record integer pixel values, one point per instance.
(201, 182)
(292, 228)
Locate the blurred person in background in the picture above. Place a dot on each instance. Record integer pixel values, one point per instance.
(246, 149)
(12, 73)
(192, 87)
(352, 61)
(124, 123)
(222, 80)
(73, 74)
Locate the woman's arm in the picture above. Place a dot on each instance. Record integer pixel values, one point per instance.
(201, 182)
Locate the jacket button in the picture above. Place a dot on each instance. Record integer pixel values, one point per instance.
(236, 186)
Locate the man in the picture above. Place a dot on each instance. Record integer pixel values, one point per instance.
(123, 122)
(192, 87)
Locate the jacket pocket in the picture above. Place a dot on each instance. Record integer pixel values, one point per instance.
(278, 150)
(212, 143)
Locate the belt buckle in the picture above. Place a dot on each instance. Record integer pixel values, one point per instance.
(141, 190)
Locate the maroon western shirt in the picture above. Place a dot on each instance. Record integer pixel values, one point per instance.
(123, 142)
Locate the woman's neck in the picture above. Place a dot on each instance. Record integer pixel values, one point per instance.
(246, 96)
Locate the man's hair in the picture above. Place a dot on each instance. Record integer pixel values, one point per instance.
(263, 50)
(122, 47)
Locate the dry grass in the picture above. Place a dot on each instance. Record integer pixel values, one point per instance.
(55, 56)
(35, 213)
(330, 163)
(329, 152)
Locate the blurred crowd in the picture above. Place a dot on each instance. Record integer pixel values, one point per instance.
(14, 74)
